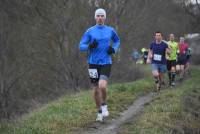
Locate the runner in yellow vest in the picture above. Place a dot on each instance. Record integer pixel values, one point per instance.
(171, 59)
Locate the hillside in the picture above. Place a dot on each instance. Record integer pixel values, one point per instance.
(172, 110)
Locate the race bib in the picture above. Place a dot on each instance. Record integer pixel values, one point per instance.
(157, 57)
(93, 73)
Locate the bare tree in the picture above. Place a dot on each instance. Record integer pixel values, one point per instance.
(193, 9)
(10, 65)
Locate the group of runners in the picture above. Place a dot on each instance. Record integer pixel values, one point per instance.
(96, 41)
(168, 56)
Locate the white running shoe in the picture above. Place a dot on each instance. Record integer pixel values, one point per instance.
(99, 117)
(173, 84)
(104, 109)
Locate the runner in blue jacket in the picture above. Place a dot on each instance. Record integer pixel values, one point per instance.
(100, 41)
(102, 35)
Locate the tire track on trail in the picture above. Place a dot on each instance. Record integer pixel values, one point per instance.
(112, 126)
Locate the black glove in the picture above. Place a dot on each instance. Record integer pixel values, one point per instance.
(111, 50)
(93, 45)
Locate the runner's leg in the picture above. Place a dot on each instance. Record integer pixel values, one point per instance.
(104, 107)
(182, 71)
(98, 97)
(173, 72)
(156, 78)
(155, 72)
(169, 71)
(173, 75)
(102, 87)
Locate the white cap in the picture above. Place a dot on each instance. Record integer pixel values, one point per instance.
(100, 11)
(182, 38)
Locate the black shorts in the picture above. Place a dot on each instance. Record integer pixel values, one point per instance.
(170, 64)
(188, 59)
(99, 72)
(182, 59)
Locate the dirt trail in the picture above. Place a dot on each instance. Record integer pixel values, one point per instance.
(112, 126)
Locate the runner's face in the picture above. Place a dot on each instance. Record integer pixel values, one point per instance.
(171, 37)
(181, 40)
(100, 19)
(158, 37)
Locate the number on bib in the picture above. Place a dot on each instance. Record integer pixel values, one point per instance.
(157, 57)
(93, 73)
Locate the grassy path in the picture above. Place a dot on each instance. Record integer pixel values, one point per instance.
(73, 112)
(173, 111)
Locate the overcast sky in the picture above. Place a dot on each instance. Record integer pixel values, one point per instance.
(194, 1)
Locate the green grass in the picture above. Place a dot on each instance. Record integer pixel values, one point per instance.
(71, 112)
(170, 111)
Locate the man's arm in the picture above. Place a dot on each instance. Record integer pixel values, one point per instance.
(150, 56)
(116, 41)
(83, 46)
(168, 49)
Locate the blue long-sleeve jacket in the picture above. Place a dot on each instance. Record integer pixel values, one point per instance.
(104, 35)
